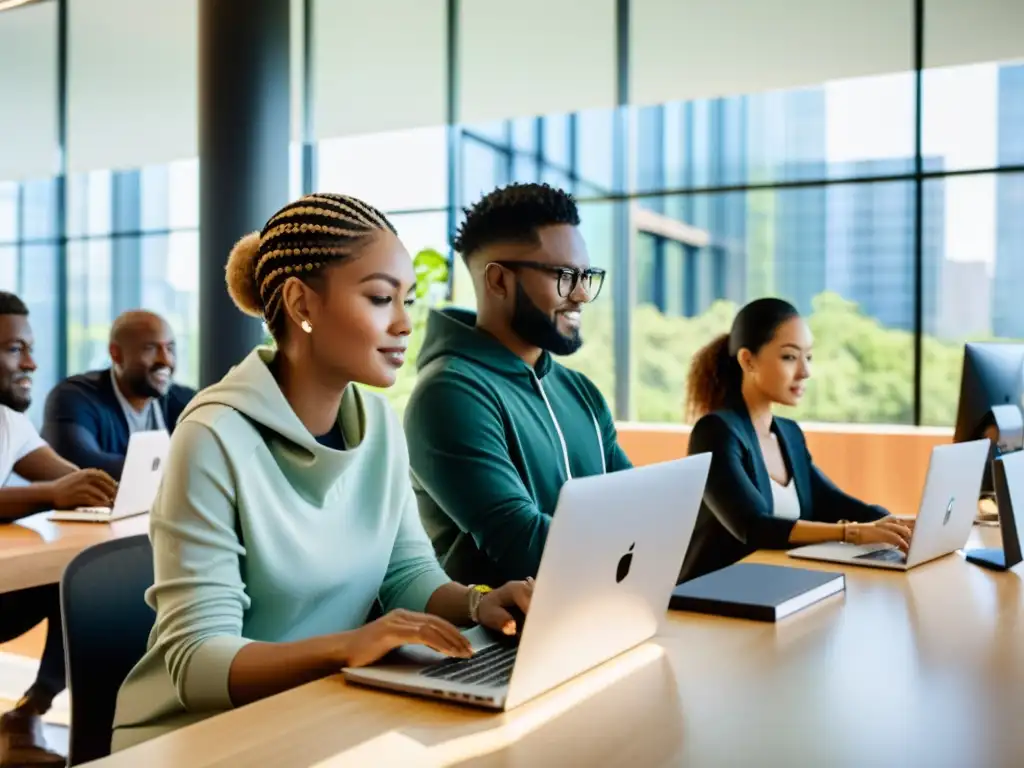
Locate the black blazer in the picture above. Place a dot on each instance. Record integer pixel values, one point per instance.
(83, 420)
(735, 515)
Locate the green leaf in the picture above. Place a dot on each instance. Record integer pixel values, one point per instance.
(431, 269)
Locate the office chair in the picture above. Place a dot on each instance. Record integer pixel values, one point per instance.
(106, 629)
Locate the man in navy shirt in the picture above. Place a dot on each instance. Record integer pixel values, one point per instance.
(89, 417)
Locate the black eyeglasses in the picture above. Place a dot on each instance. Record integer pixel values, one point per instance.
(592, 278)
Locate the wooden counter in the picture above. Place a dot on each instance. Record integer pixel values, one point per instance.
(917, 669)
(35, 551)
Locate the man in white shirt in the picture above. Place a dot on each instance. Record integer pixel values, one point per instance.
(53, 483)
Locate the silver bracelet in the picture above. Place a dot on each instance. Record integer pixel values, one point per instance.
(474, 604)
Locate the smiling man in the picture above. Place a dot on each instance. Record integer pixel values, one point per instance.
(495, 426)
(48, 482)
(89, 417)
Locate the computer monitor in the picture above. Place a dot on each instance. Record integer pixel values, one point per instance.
(992, 394)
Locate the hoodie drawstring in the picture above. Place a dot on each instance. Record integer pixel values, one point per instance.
(558, 429)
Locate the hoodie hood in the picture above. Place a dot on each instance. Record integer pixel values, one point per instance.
(250, 389)
(452, 332)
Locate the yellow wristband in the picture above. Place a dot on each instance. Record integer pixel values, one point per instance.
(476, 593)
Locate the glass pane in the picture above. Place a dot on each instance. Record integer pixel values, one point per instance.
(359, 166)
(8, 211)
(579, 144)
(557, 177)
(841, 129)
(295, 170)
(8, 268)
(422, 230)
(169, 196)
(484, 169)
(556, 141)
(90, 204)
(37, 277)
(154, 272)
(596, 358)
(154, 193)
(183, 194)
(418, 231)
(39, 211)
(981, 280)
(170, 287)
(496, 131)
(594, 152)
(526, 168)
(973, 116)
(524, 135)
(90, 304)
(843, 254)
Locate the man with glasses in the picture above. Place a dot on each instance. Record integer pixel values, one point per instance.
(495, 426)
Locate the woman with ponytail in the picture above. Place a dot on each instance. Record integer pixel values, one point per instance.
(764, 490)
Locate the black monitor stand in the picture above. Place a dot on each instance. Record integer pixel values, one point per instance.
(988, 557)
(1010, 554)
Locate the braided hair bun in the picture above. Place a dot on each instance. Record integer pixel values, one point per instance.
(240, 274)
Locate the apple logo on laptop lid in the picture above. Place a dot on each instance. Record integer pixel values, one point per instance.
(949, 510)
(624, 564)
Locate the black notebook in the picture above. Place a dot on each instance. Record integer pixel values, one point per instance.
(753, 591)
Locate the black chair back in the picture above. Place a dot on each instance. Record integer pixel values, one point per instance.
(106, 629)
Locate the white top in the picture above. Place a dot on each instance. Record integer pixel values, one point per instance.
(18, 438)
(149, 418)
(785, 501)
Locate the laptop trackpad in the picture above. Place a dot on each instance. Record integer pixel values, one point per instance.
(884, 555)
(478, 637)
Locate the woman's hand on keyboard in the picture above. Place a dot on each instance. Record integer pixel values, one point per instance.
(504, 608)
(400, 627)
(888, 530)
(84, 488)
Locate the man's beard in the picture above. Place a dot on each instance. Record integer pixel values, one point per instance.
(141, 386)
(534, 327)
(14, 397)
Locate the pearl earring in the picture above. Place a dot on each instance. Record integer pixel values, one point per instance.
(306, 326)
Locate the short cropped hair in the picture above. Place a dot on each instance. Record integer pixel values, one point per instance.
(12, 305)
(513, 214)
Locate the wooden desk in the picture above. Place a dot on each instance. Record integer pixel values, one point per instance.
(918, 669)
(35, 551)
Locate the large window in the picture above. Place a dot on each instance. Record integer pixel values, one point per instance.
(29, 264)
(133, 242)
(810, 194)
(842, 253)
(397, 171)
(979, 279)
(750, 156)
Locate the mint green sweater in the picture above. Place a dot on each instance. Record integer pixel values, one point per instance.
(261, 533)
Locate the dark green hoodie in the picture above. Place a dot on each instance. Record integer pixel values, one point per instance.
(491, 441)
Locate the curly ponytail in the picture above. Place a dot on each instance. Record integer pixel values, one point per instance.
(714, 379)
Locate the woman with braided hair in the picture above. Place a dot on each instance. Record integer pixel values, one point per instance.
(286, 508)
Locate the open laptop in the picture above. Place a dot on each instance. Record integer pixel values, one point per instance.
(944, 518)
(611, 560)
(140, 480)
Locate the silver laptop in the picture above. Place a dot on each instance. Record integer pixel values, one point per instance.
(612, 557)
(140, 480)
(944, 519)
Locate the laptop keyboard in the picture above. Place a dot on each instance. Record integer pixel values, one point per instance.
(490, 666)
(884, 556)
